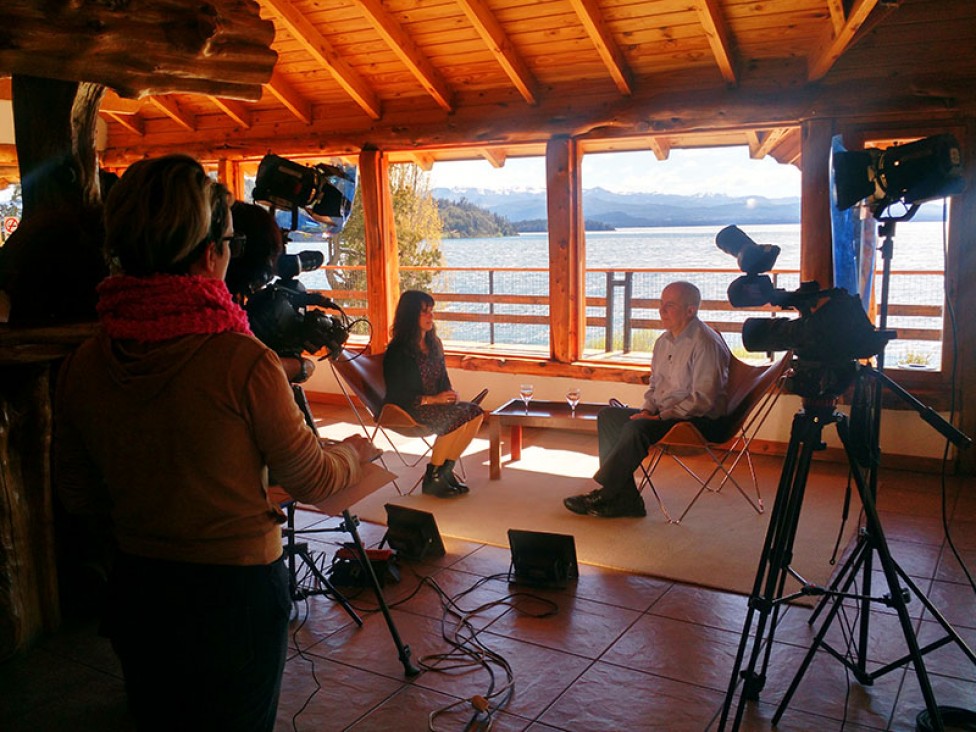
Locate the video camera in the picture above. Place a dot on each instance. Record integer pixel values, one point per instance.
(284, 317)
(832, 328)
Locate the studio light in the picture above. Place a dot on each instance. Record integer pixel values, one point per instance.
(911, 174)
(540, 559)
(412, 533)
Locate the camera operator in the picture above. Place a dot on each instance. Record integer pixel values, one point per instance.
(169, 422)
(255, 268)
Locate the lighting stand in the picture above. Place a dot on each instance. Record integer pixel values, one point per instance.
(348, 525)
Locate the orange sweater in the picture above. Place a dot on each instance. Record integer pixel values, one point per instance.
(175, 440)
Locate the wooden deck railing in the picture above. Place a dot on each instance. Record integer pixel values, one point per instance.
(622, 302)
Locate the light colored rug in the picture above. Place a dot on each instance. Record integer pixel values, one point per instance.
(718, 544)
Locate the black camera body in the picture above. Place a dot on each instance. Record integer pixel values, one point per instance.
(832, 332)
(282, 317)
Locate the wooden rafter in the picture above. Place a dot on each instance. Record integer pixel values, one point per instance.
(494, 36)
(716, 29)
(408, 52)
(762, 142)
(172, 110)
(132, 122)
(837, 15)
(835, 42)
(302, 30)
(236, 111)
(495, 156)
(661, 147)
(292, 100)
(424, 161)
(613, 58)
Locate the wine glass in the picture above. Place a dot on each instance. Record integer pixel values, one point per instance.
(525, 394)
(573, 398)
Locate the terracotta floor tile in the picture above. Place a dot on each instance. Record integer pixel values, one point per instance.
(705, 607)
(411, 708)
(579, 626)
(676, 650)
(608, 698)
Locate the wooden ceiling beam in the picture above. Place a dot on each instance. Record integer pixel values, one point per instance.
(613, 58)
(494, 36)
(132, 122)
(762, 142)
(837, 15)
(236, 111)
(660, 146)
(302, 30)
(834, 42)
(289, 98)
(495, 156)
(172, 110)
(408, 52)
(717, 30)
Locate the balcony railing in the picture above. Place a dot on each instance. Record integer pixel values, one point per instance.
(500, 307)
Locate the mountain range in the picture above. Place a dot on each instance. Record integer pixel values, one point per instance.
(625, 210)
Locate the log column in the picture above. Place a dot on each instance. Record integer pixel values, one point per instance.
(816, 247)
(567, 274)
(382, 258)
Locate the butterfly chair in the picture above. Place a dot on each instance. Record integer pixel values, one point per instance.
(362, 375)
(752, 392)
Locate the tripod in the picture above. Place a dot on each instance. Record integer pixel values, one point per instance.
(349, 525)
(774, 566)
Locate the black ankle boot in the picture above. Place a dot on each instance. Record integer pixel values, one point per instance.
(447, 470)
(435, 484)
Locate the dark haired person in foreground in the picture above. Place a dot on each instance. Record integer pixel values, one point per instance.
(169, 422)
(689, 374)
(417, 381)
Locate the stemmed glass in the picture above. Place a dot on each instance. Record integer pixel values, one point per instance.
(573, 398)
(525, 394)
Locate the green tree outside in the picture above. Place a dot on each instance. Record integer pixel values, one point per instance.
(418, 232)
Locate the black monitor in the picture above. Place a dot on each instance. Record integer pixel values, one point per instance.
(540, 559)
(412, 533)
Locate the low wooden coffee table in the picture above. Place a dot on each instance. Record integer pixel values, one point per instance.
(552, 415)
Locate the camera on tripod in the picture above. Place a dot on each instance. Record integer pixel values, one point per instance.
(832, 332)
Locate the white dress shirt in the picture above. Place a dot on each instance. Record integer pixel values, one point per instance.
(689, 374)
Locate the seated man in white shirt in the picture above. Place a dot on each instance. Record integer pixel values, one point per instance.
(689, 373)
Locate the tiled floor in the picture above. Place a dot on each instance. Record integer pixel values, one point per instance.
(614, 652)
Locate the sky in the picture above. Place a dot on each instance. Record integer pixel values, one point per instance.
(727, 170)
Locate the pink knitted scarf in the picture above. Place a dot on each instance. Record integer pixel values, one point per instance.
(162, 306)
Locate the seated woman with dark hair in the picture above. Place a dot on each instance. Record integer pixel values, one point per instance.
(417, 381)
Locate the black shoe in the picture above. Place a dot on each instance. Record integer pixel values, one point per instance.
(582, 504)
(447, 470)
(628, 507)
(435, 484)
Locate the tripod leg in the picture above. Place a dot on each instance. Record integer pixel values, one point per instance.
(773, 565)
(403, 651)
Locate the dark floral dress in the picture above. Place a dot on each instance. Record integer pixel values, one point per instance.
(441, 418)
(411, 375)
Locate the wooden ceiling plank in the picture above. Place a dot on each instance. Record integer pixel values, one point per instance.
(289, 98)
(404, 47)
(834, 44)
(132, 122)
(717, 30)
(315, 44)
(172, 110)
(236, 111)
(613, 58)
(498, 42)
